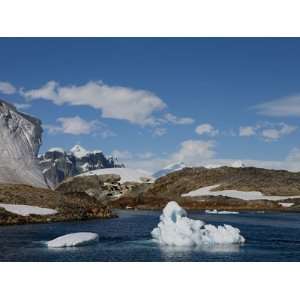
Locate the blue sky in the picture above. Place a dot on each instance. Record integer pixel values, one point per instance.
(142, 99)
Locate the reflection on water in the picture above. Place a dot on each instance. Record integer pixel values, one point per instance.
(170, 252)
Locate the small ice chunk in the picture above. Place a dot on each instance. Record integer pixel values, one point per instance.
(74, 239)
(176, 229)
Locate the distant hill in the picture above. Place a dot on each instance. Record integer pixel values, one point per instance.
(263, 182)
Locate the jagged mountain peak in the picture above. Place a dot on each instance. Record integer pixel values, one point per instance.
(79, 151)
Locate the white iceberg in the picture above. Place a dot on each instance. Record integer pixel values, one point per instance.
(26, 210)
(176, 229)
(74, 239)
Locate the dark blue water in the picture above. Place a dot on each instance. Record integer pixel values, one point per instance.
(269, 237)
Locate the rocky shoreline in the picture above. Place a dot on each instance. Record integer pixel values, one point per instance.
(69, 206)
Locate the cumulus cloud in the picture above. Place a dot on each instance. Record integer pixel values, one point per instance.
(22, 106)
(159, 131)
(146, 155)
(247, 131)
(294, 155)
(268, 131)
(7, 88)
(78, 126)
(271, 134)
(177, 120)
(194, 151)
(282, 107)
(122, 154)
(206, 129)
(117, 102)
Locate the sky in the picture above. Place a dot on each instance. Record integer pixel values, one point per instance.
(155, 101)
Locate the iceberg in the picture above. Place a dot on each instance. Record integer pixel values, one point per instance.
(74, 239)
(176, 229)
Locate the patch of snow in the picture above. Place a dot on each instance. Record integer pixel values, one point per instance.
(254, 195)
(176, 229)
(238, 164)
(79, 151)
(169, 169)
(126, 174)
(26, 210)
(221, 212)
(96, 151)
(73, 240)
(56, 149)
(212, 166)
(285, 204)
(85, 167)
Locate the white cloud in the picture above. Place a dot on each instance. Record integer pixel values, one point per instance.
(281, 129)
(7, 88)
(194, 151)
(268, 131)
(282, 107)
(117, 102)
(178, 121)
(206, 129)
(122, 154)
(247, 131)
(146, 155)
(159, 131)
(78, 126)
(294, 155)
(22, 106)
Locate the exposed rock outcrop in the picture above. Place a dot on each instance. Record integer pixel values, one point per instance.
(104, 188)
(20, 137)
(69, 206)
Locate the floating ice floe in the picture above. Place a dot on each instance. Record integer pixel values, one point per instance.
(74, 239)
(176, 229)
(26, 210)
(221, 212)
(254, 195)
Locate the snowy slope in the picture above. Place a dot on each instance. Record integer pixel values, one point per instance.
(126, 174)
(26, 210)
(20, 137)
(169, 169)
(254, 195)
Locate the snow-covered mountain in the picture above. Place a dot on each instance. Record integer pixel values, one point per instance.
(169, 169)
(20, 137)
(58, 164)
